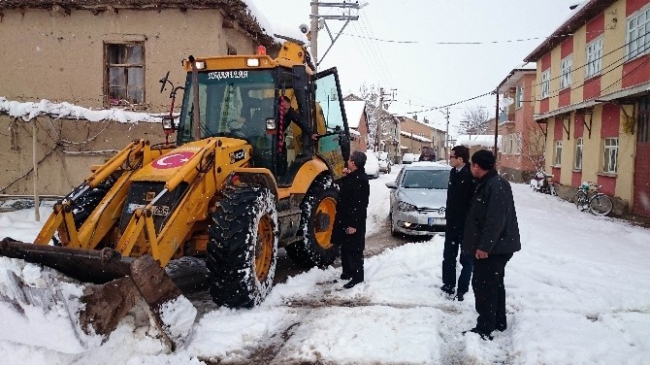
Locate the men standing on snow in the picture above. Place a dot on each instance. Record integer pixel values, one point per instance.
(349, 231)
(459, 197)
(492, 236)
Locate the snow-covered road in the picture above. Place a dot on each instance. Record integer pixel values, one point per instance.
(577, 294)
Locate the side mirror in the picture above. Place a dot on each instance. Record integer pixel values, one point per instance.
(391, 185)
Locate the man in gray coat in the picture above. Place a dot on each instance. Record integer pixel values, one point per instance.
(491, 236)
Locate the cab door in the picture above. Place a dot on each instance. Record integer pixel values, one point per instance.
(331, 122)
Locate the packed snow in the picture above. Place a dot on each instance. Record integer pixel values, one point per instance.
(577, 293)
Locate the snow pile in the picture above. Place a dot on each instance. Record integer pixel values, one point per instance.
(30, 110)
(178, 317)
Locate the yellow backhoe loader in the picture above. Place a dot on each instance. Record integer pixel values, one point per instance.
(223, 191)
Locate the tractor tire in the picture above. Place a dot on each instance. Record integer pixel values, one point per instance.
(316, 224)
(242, 251)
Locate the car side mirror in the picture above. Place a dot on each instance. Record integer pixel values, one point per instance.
(391, 185)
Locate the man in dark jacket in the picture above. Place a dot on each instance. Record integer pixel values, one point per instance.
(459, 197)
(349, 229)
(288, 115)
(492, 236)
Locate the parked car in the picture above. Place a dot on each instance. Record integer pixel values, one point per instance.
(409, 158)
(372, 165)
(418, 198)
(384, 162)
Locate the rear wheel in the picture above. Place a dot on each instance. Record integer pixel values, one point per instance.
(242, 252)
(600, 204)
(316, 225)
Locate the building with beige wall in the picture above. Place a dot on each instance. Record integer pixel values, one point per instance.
(521, 152)
(101, 55)
(593, 75)
(415, 135)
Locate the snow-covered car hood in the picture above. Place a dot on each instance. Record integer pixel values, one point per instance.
(424, 198)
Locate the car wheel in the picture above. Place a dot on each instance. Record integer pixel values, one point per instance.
(393, 232)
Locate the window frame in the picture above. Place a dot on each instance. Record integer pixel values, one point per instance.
(520, 96)
(108, 65)
(632, 40)
(566, 67)
(557, 154)
(610, 155)
(546, 84)
(594, 51)
(579, 149)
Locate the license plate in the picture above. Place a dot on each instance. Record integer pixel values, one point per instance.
(436, 221)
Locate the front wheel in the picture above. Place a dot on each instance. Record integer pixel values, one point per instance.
(316, 225)
(242, 251)
(600, 204)
(581, 201)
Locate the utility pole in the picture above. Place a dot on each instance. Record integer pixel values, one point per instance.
(315, 24)
(496, 125)
(447, 138)
(380, 118)
(313, 32)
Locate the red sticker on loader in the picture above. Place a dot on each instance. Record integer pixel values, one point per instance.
(172, 160)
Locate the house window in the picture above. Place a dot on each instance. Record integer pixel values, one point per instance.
(557, 158)
(124, 77)
(546, 83)
(577, 164)
(610, 155)
(594, 54)
(520, 96)
(232, 51)
(565, 80)
(638, 38)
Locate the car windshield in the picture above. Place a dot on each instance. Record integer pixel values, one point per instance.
(425, 179)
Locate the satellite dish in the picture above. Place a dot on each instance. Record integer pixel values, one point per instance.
(507, 101)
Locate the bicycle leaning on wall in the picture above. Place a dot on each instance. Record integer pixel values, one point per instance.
(588, 198)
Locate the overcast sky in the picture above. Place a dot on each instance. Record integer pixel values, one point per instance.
(427, 73)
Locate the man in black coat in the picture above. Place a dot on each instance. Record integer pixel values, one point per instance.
(492, 236)
(349, 229)
(288, 115)
(459, 197)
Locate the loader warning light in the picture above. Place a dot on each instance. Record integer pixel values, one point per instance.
(261, 50)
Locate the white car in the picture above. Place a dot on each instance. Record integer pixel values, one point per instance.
(384, 163)
(409, 158)
(418, 199)
(372, 165)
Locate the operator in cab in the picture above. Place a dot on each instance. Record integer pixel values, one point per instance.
(288, 115)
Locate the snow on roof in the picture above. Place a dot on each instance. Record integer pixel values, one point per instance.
(483, 140)
(29, 110)
(354, 131)
(414, 136)
(354, 110)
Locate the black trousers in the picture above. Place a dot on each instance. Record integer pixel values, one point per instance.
(449, 255)
(352, 264)
(490, 293)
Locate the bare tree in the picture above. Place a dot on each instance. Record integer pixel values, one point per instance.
(476, 121)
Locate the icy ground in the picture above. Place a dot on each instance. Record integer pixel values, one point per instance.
(577, 293)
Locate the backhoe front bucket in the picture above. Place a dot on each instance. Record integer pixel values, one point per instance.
(90, 266)
(123, 282)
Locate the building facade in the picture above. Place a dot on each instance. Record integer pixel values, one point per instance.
(521, 153)
(100, 55)
(415, 135)
(592, 94)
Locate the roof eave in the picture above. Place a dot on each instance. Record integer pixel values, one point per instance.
(579, 19)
